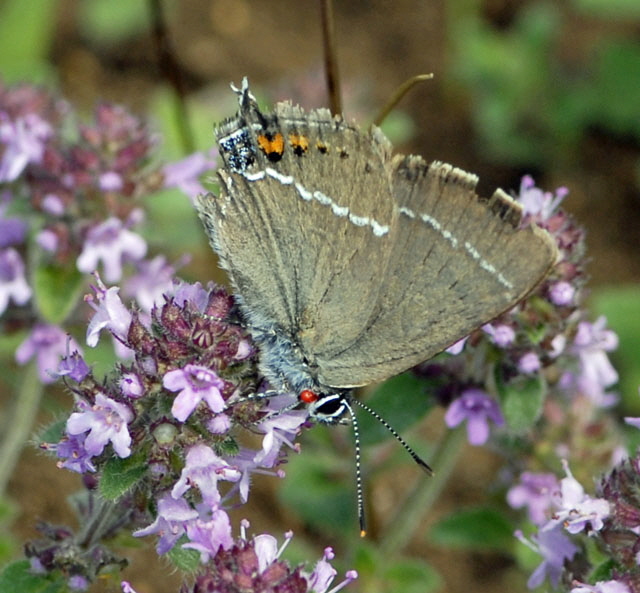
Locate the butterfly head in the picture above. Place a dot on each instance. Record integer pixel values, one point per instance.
(327, 408)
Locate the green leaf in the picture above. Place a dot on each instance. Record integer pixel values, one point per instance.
(521, 401)
(17, 577)
(53, 432)
(184, 559)
(610, 9)
(412, 576)
(112, 20)
(119, 475)
(316, 489)
(25, 39)
(401, 401)
(475, 528)
(57, 291)
(615, 92)
(377, 572)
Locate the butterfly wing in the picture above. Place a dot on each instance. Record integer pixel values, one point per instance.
(304, 220)
(457, 262)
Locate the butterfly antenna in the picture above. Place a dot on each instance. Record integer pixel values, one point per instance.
(421, 462)
(360, 495)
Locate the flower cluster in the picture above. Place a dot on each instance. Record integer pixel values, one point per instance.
(173, 412)
(560, 510)
(76, 188)
(516, 350)
(255, 565)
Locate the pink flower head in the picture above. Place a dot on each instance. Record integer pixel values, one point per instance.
(195, 383)
(105, 421)
(110, 243)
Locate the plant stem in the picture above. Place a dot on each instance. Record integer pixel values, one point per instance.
(19, 423)
(410, 513)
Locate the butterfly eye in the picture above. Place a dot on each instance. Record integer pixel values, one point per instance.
(307, 396)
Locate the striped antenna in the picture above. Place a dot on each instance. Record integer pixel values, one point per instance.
(421, 462)
(356, 436)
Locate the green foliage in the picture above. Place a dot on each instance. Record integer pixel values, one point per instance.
(184, 559)
(316, 491)
(476, 529)
(521, 401)
(401, 401)
(26, 32)
(7, 543)
(609, 9)
(529, 107)
(17, 577)
(53, 432)
(377, 573)
(614, 93)
(57, 291)
(111, 21)
(119, 475)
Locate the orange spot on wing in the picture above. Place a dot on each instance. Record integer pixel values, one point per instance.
(272, 145)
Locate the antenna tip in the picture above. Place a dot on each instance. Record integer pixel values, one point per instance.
(363, 533)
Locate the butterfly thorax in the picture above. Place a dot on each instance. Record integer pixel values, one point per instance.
(286, 368)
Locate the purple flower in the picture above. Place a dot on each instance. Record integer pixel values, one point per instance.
(71, 449)
(458, 347)
(105, 421)
(195, 383)
(110, 314)
(601, 587)
(502, 335)
(256, 566)
(529, 363)
(210, 535)
(476, 407)
(12, 231)
(126, 587)
(279, 429)
(537, 493)
(24, 140)
(184, 174)
(194, 294)
(152, 280)
(73, 366)
(219, 424)
(78, 582)
(52, 204)
(203, 469)
(110, 181)
(13, 284)
(323, 574)
(110, 243)
(131, 385)
(171, 522)
(537, 203)
(578, 511)
(591, 343)
(47, 240)
(554, 547)
(562, 293)
(49, 344)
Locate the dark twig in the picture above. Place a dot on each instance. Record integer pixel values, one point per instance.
(171, 71)
(330, 59)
